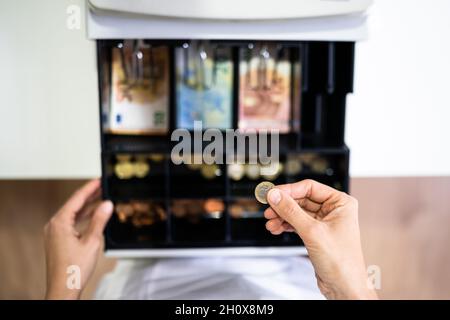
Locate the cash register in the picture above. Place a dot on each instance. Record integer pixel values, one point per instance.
(179, 68)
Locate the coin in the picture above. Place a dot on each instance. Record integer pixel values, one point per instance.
(124, 170)
(319, 165)
(210, 171)
(236, 211)
(214, 205)
(140, 206)
(141, 169)
(271, 171)
(293, 167)
(236, 171)
(262, 190)
(307, 158)
(252, 171)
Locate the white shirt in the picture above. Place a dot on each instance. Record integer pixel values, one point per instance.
(211, 278)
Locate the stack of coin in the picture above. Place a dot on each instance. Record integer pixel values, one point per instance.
(236, 171)
(214, 208)
(293, 166)
(311, 161)
(252, 171)
(271, 171)
(141, 169)
(140, 213)
(319, 165)
(210, 171)
(194, 209)
(125, 168)
(307, 158)
(124, 211)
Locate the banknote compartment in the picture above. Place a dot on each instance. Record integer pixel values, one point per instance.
(135, 88)
(204, 84)
(267, 86)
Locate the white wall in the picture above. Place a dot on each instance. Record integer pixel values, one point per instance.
(48, 89)
(396, 120)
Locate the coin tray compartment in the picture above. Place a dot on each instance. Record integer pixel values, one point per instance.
(329, 167)
(248, 223)
(317, 121)
(245, 187)
(198, 227)
(187, 182)
(152, 186)
(126, 235)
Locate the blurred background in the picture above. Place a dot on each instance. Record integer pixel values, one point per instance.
(396, 128)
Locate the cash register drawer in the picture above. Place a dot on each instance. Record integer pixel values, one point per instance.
(149, 88)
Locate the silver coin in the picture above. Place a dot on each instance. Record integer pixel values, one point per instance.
(262, 190)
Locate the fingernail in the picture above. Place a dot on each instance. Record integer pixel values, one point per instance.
(274, 196)
(107, 206)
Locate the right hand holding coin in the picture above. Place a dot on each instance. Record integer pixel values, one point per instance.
(327, 222)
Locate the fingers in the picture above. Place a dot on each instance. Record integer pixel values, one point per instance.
(270, 214)
(87, 210)
(277, 226)
(310, 189)
(289, 210)
(77, 201)
(274, 224)
(99, 220)
(311, 208)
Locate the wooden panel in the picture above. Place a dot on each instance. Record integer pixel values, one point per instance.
(404, 223)
(25, 207)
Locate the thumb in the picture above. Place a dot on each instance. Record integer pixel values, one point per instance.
(290, 211)
(100, 219)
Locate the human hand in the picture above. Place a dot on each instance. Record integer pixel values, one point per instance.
(327, 222)
(66, 246)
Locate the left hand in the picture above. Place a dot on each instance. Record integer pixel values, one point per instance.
(68, 249)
